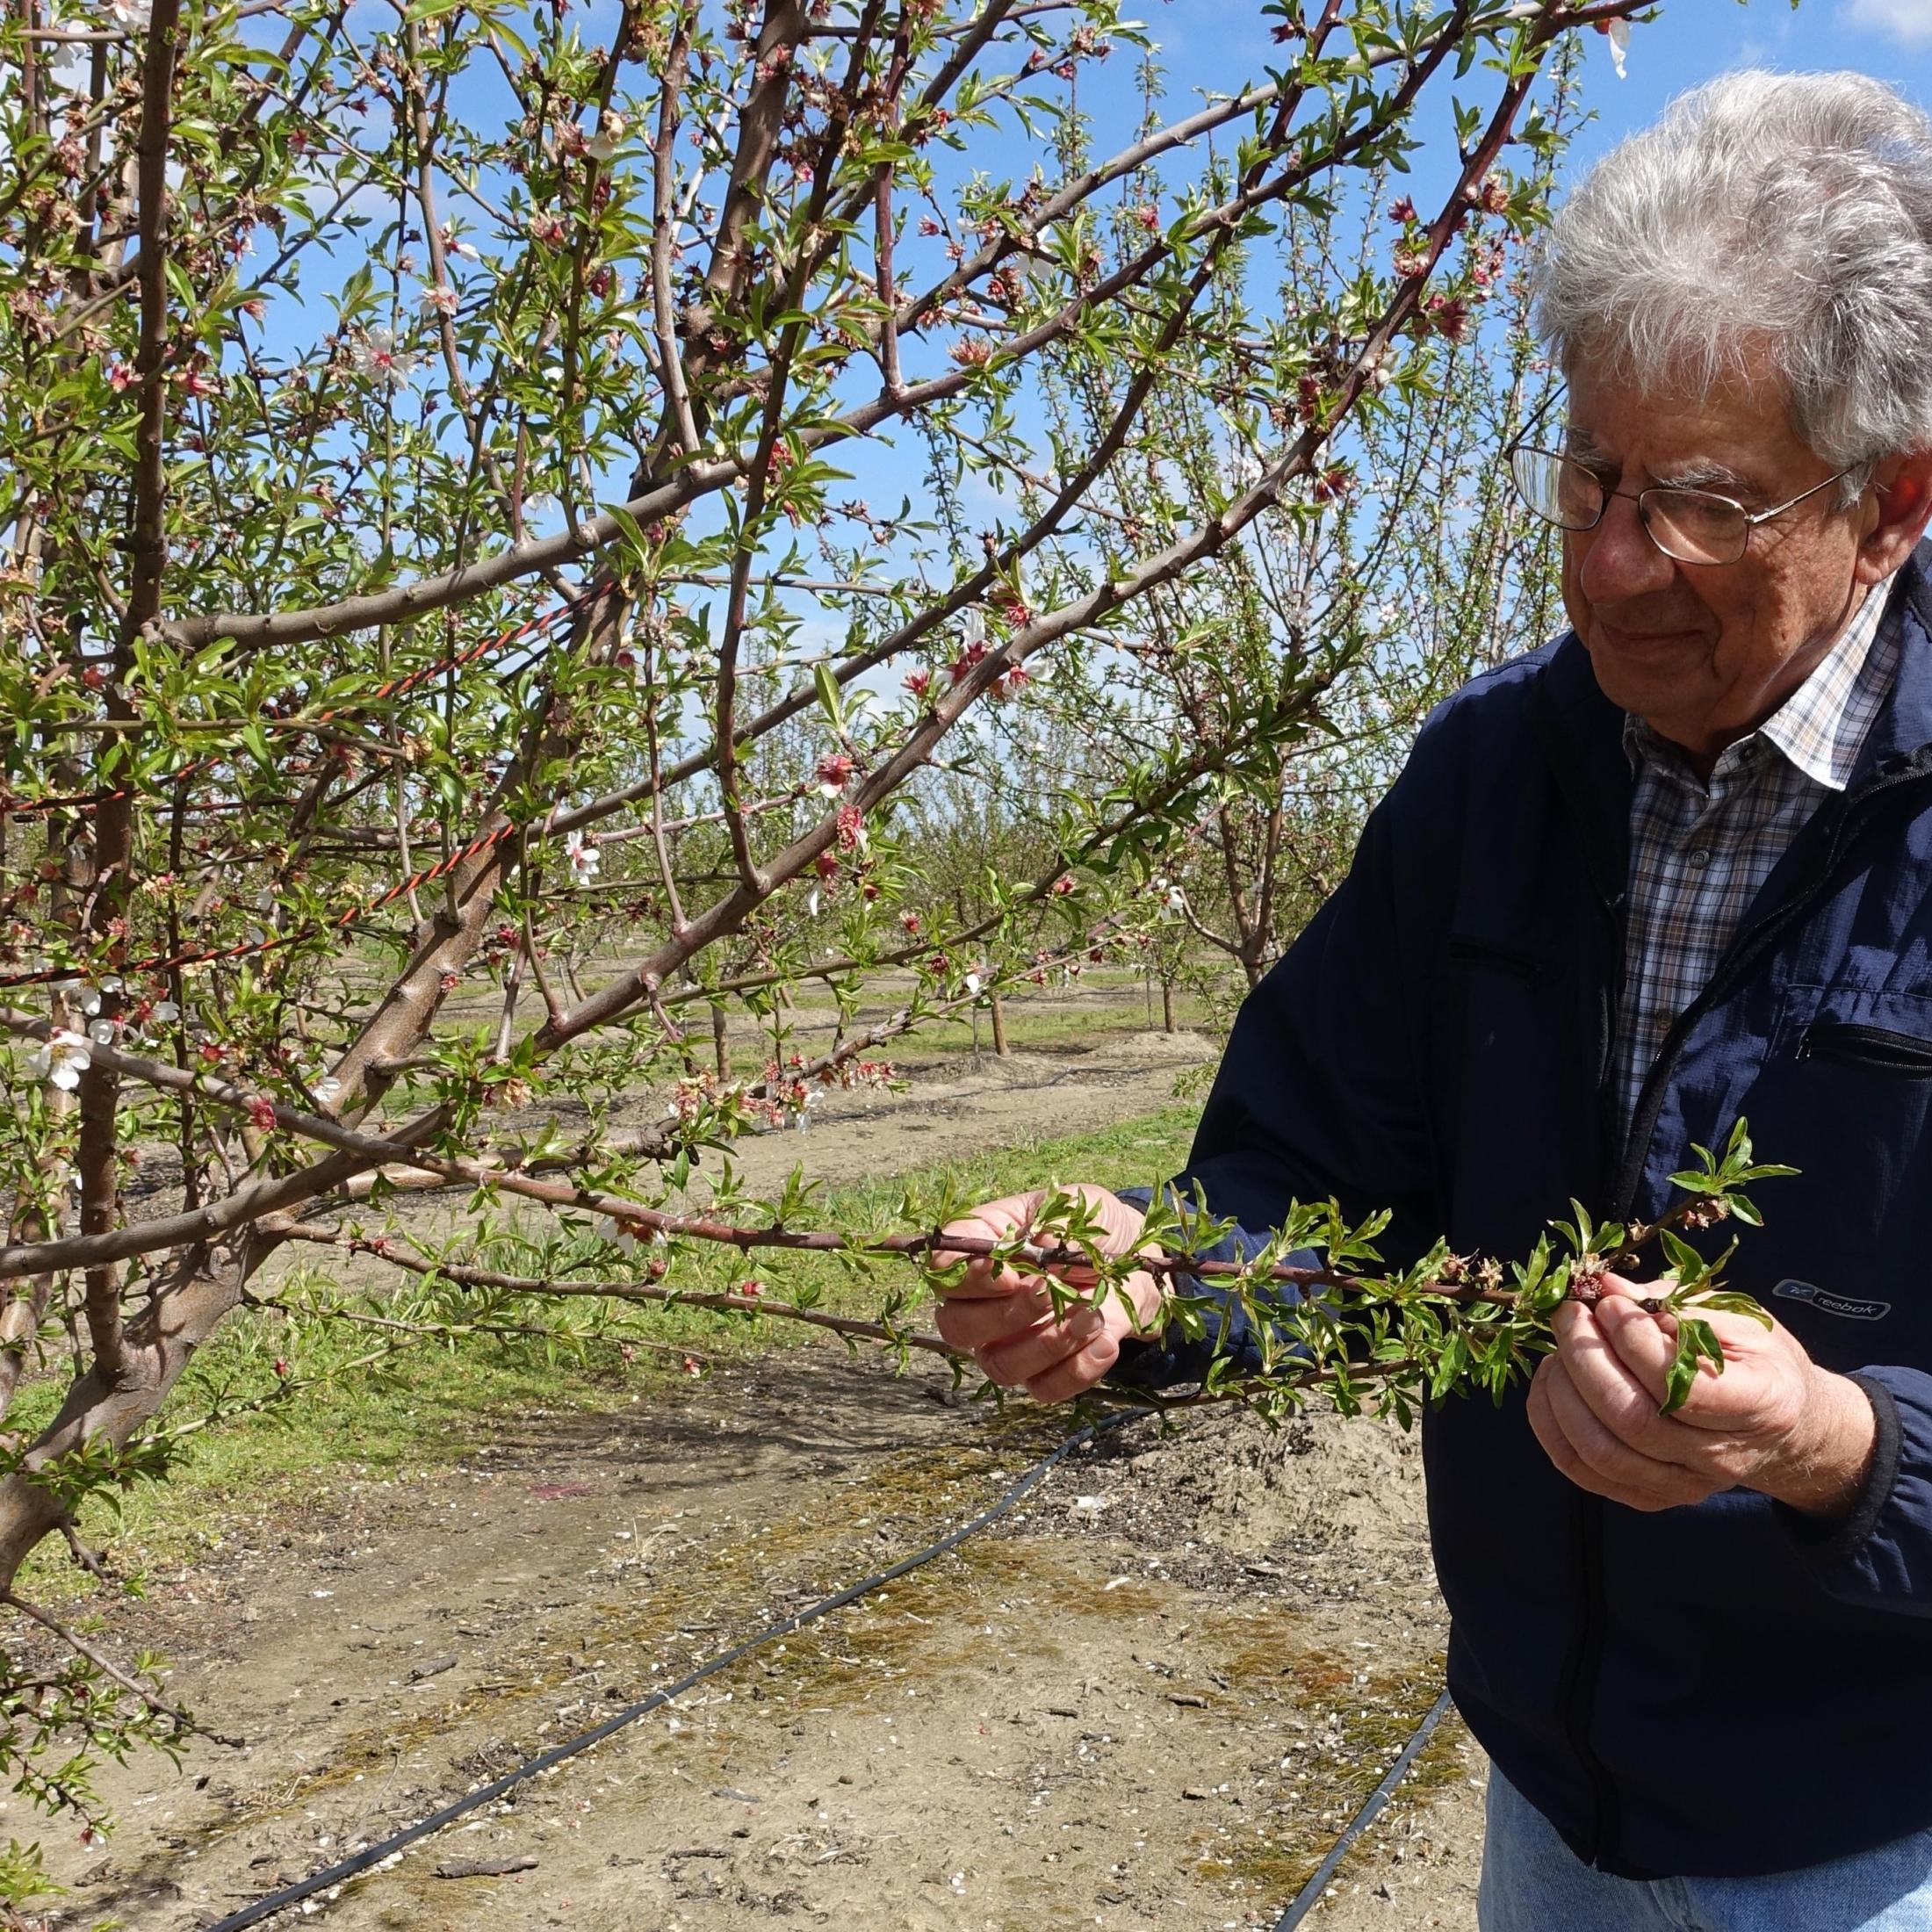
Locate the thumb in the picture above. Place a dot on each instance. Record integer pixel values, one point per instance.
(996, 1220)
(1645, 1343)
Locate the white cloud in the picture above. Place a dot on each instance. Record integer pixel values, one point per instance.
(1907, 20)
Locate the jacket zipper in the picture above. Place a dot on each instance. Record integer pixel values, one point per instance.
(1873, 1049)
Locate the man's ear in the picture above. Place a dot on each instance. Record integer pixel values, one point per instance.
(1896, 508)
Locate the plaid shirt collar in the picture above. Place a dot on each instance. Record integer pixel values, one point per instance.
(1819, 727)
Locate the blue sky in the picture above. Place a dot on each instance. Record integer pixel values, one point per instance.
(1693, 39)
(1210, 43)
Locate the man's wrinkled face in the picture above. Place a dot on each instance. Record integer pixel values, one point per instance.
(1705, 651)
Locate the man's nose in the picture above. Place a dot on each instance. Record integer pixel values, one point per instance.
(1619, 560)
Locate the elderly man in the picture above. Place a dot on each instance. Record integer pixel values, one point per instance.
(1673, 869)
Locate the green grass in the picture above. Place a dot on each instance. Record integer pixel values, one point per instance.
(430, 1404)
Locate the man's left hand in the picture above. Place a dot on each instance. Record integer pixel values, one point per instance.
(1773, 1421)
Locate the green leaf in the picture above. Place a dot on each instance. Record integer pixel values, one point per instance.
(829, 695)
(633, 533)
(1686, 1263)
(1735, 1302)
(1696, 1342)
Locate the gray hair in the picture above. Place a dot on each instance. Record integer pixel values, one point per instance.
(1782, 217)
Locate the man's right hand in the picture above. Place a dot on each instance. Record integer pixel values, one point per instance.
(1004, 1320)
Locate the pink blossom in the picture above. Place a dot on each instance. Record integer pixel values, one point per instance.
(1451, 316)
(974, 653)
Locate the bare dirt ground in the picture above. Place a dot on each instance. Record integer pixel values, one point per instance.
(1152, 1697)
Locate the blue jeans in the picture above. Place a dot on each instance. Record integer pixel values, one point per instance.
(1533, 1882)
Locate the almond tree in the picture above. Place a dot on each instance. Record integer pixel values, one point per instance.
(483, 482)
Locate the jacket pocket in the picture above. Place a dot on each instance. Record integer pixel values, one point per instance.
(1874, 1049)
(1488, 954)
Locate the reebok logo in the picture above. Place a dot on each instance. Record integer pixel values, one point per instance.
(1849, 1307)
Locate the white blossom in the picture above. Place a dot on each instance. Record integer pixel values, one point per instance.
(584, 859)
(374, 354)
(62, 1062)
(609, 137)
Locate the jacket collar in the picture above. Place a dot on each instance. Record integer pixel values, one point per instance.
(1583, 732)
(1902, 730)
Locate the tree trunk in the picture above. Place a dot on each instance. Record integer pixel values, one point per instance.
(720, 1046)
(1167, 1006)
(999, 1027)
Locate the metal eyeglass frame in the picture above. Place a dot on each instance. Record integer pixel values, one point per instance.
(1641, 498)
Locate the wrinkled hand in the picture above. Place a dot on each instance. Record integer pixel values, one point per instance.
(1005, 1319)
(1773, 1421)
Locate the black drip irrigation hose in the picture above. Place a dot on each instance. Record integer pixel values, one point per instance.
(1307, 1897)
(374, 1854)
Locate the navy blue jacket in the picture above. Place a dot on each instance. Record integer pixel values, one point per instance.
(1712, 1689)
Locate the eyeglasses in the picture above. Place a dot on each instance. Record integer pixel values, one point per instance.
(1689, 526)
